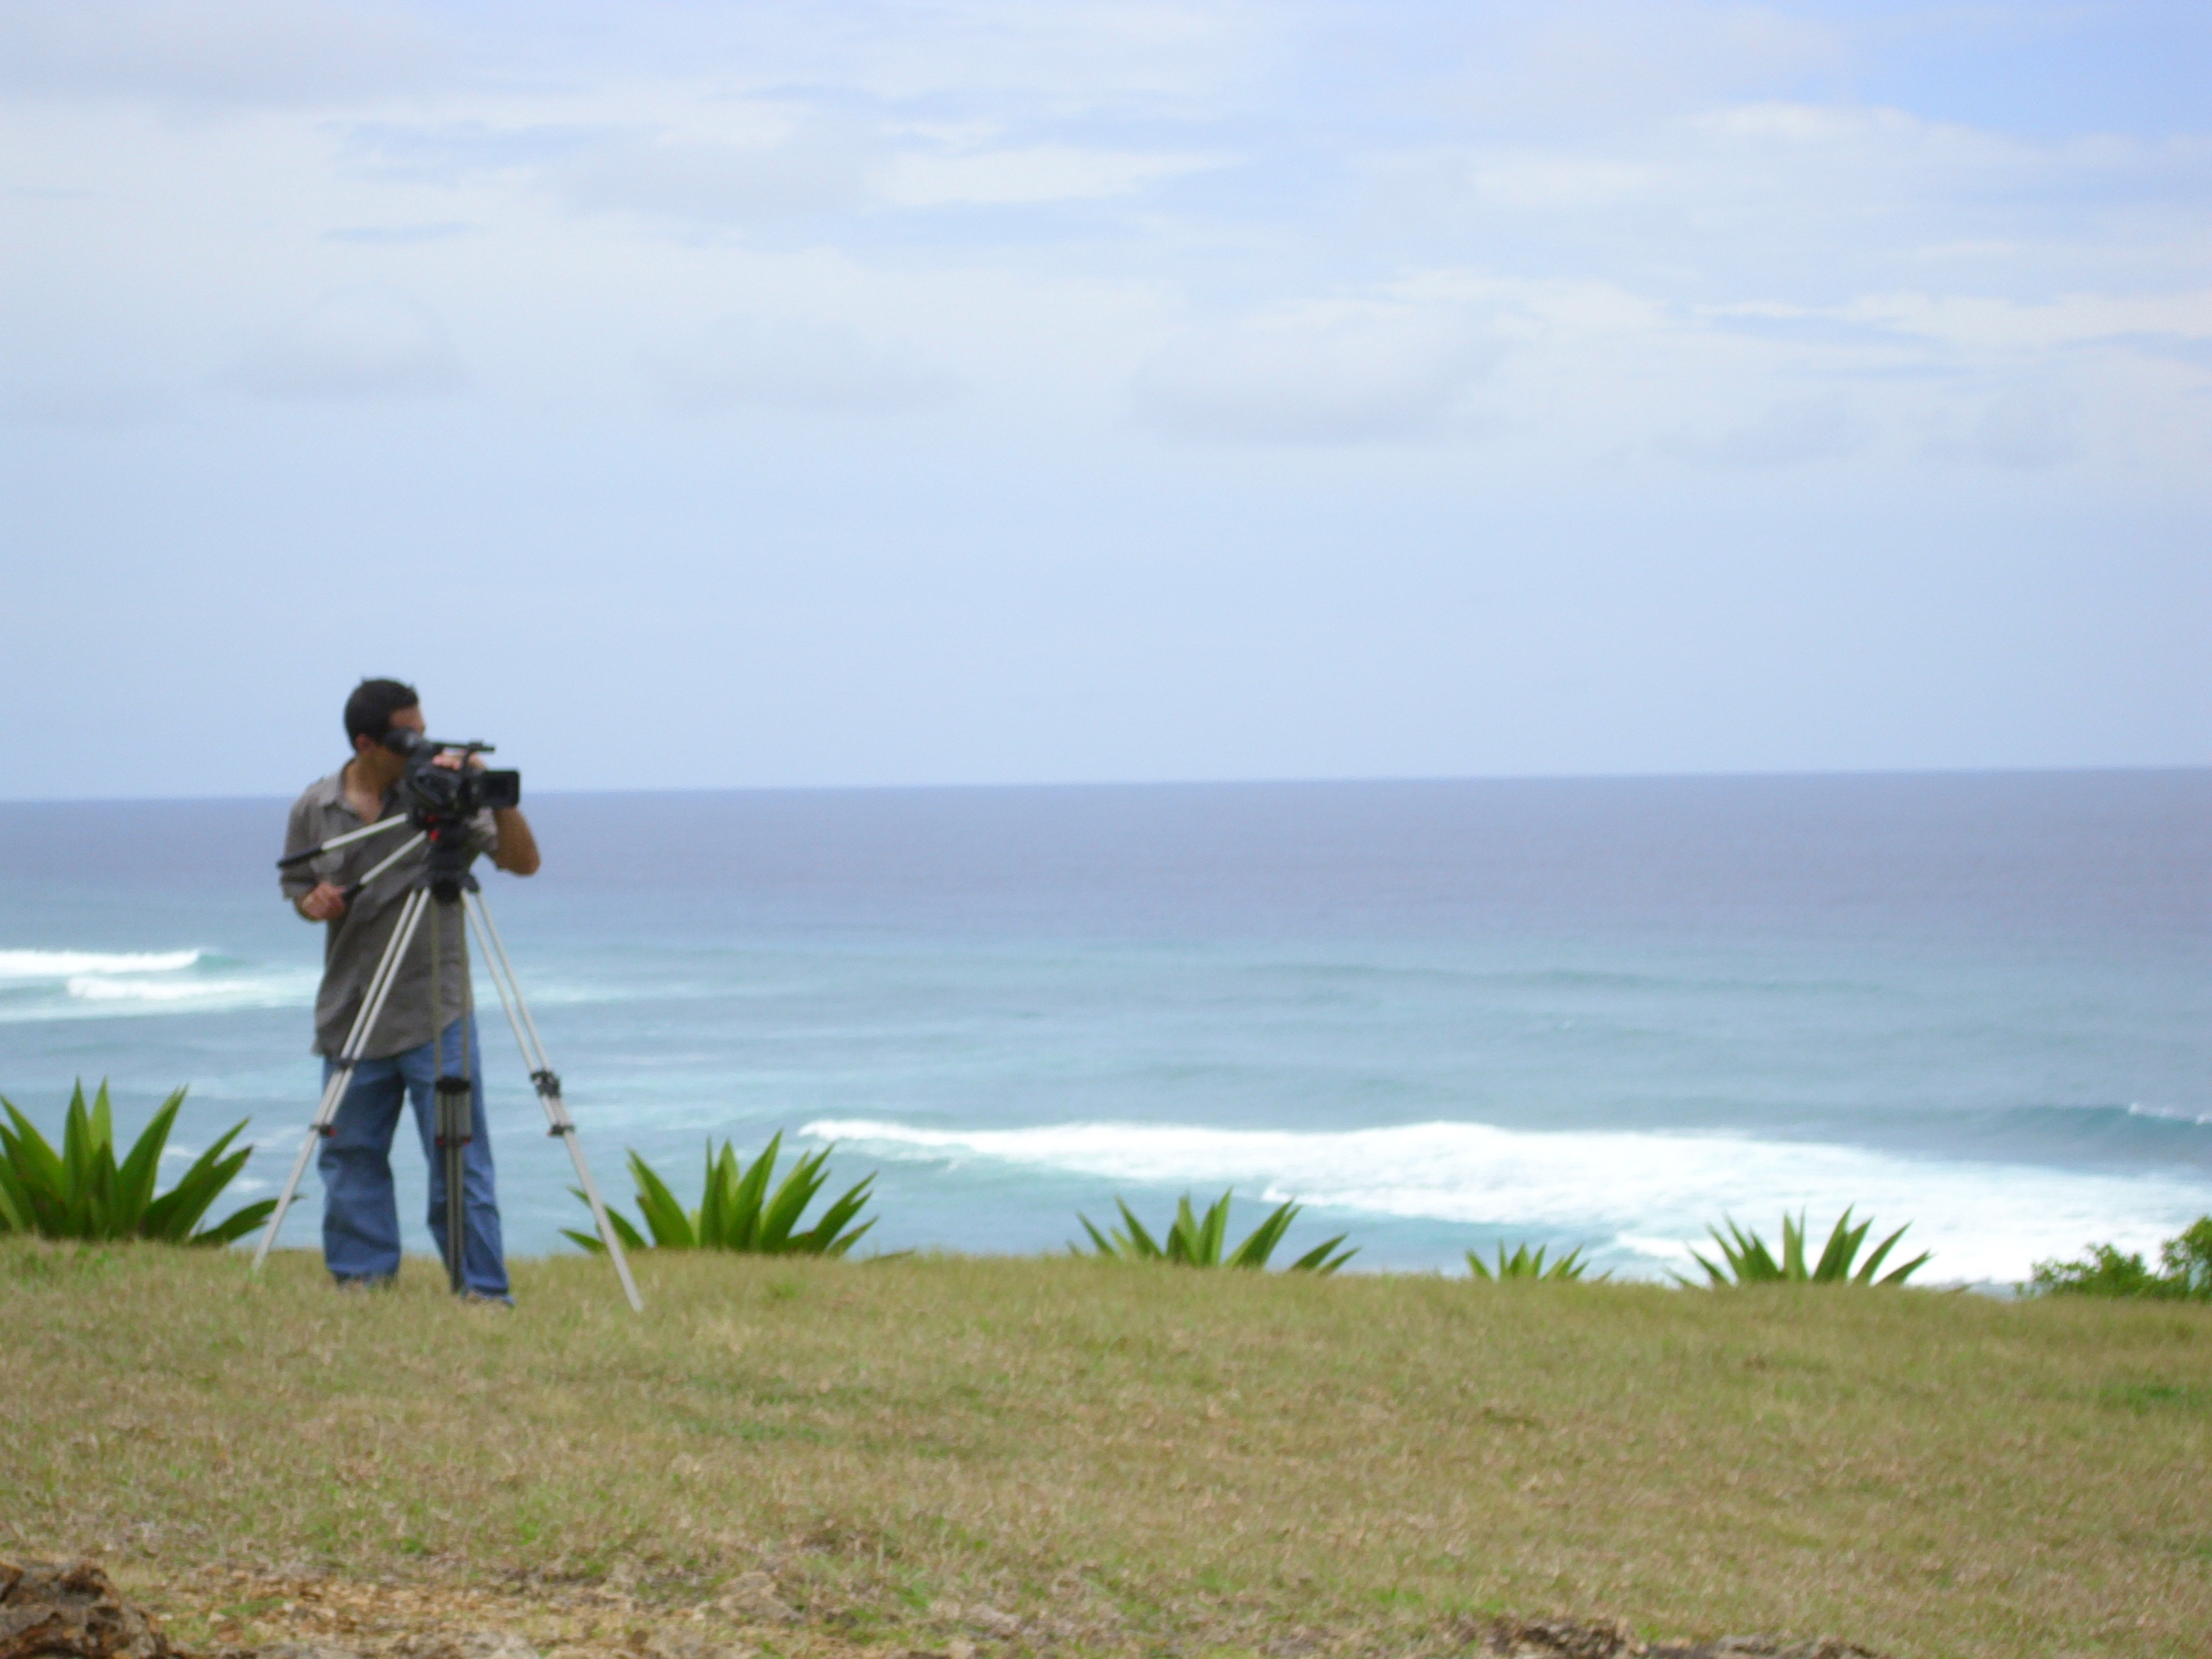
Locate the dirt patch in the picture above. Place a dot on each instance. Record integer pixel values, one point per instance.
(76, 1613)
(1567, 1638)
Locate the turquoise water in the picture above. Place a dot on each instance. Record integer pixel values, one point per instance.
(1594, 1013)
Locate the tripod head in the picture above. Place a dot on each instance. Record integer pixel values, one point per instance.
(447, 874)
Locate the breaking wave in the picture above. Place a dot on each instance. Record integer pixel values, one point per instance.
(1647, 1197)
(65, 964)
(48, 984)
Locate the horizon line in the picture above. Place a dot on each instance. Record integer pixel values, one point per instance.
(1777, 774)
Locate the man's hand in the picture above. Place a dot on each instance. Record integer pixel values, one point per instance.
(325, 904)
(518, 848)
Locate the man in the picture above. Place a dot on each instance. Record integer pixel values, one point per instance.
(360, 1219)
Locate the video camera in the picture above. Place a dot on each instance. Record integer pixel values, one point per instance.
(437, 794)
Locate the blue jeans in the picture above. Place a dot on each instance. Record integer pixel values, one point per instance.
(361, 1217)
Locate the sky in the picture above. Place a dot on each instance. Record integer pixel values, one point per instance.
(737, 395)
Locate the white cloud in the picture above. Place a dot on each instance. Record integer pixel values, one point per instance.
(740, 363)
(1346, 373)
(728, 164)
(1992, 322)
(217, 51)
(1072, 57)
(1610, 63)
(399, 235)
(1538, 180)
(1053, 172)
(1789, 433)
(353, 344)
(710, 181)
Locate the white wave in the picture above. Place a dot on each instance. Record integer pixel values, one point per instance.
(93, 988)
(96, 996)
(2170, 1115)
(1642, 1193)
(62, 965)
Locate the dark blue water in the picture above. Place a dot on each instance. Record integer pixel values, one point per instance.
(1589, 1011)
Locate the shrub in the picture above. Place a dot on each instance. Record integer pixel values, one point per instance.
(1196, 1242)
(737, 1211)
(2184, 1260)
(81, 1192)
(1750, 1262)
(1521, 1264)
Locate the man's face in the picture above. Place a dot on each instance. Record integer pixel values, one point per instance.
(410, 718)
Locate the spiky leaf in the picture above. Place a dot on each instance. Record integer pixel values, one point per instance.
(737, 1211)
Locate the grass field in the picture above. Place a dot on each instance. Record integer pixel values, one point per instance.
(925, 1451)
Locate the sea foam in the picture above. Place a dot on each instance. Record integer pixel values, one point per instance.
(1647, 1196)
(65, 964)
(91, 988)
(59, 985)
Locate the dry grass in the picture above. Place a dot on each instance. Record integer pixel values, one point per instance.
(1123, 1458)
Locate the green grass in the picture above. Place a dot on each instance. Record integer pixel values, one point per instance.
(1139, 1462)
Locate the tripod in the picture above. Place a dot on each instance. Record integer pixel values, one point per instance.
(445, 886)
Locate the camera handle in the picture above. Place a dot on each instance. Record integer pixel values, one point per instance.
(347, 839)
(352, 889)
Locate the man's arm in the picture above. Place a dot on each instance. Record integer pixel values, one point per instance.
(517, 851)
(316, 901)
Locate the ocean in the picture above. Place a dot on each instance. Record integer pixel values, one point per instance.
(1602, 1013)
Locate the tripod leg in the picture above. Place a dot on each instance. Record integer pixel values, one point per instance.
(548, 1083)
(334, 1092)
(455, 1128)
(453, 1122)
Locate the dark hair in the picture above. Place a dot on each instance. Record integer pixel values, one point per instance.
(368, 712)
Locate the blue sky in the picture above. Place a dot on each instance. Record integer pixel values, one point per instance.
(872, 394)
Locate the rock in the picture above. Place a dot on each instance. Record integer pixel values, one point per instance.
(308, 1651)
(48, 1609)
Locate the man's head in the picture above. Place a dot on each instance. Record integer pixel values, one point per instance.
(377, 706)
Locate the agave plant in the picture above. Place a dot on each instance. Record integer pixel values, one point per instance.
(737, 1211)
(1523, 1264)
(1750, 1262)
(81, 1192)
(1199, 1242)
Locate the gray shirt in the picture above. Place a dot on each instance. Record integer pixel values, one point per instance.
(354, 944)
